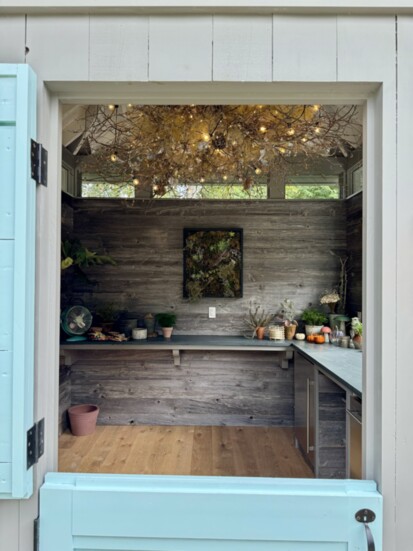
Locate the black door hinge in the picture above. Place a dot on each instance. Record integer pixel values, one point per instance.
(38, 163)
(35, 443)
(36, 535)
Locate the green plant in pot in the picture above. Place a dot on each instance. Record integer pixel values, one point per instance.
(314, 320)
(288, 313)
(107, 315)
(357, 332)
(166, 320)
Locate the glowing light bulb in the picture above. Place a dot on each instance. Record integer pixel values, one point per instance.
(129, 105)
(316, 108)
(258, 170)
(202, 180)
(303, 140)
(317, 130)
(135, 181)
(206, 137)
(155, 187)
(263, 129)
(225, 177)
(111, 106)
(114, 157)
(234, 143)
(291, 131)
(281, 149)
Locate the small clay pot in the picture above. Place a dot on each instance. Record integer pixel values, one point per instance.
(358, 342)
(83, 419)
(260, 332)
(290, 332)
(167, 332)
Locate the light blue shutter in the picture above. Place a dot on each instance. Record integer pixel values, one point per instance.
(183, 513)
(17, 276)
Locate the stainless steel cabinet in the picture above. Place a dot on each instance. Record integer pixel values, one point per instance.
(354, 430)
(305, 407)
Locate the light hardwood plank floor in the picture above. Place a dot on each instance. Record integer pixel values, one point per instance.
(183, 450)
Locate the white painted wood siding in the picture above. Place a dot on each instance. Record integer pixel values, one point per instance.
(404, 293)
(182, 53)
(305, 48)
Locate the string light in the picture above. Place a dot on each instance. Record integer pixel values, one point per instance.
(291, 131)
(114, 157)
(263, 129)
(111, 107)
(135, 181)
(258, 171)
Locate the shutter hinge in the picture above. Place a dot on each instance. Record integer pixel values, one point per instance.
(35, 443)
(36, 535)
(38, 163)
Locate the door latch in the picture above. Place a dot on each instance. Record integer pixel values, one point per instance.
(366, 516)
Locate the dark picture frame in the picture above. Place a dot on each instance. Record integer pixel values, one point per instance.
(212, 263)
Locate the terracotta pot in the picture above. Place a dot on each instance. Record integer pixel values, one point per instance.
(167, 332)
(83, 419)
(358, 342)
(260, 332)
(290, 332)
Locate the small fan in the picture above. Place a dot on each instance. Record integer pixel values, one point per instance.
(75, 321)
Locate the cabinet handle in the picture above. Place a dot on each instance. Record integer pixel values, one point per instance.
(308, 415)
(310, 383)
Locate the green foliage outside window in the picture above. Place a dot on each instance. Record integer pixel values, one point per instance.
(312, 191)
(103, 189)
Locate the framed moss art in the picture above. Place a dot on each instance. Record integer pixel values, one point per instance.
(212, 263)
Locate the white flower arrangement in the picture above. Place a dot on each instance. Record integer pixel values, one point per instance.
(331, 298)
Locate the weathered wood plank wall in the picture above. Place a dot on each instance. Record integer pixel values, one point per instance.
(355, 253)
(286, 254)
(209, 388)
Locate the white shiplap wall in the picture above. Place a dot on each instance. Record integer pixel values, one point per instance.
(183, 51)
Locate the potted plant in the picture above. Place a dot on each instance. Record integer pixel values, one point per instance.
(166, 320)
(314, 320)
(288, 313)
(257, 320)
(108, 315)
(357, 329)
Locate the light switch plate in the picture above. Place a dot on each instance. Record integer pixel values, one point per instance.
(212, 312)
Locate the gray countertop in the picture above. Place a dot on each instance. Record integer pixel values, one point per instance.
(344, 365)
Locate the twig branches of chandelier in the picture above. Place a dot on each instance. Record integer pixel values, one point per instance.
(161, 146)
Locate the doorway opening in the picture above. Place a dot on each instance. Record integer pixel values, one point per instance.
(215, 399)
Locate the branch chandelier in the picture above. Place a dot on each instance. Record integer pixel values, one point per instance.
(162, 146)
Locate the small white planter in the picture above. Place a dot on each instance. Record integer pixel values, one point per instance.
(312, 329)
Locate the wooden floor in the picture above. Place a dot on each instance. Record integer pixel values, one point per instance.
(214, 451)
